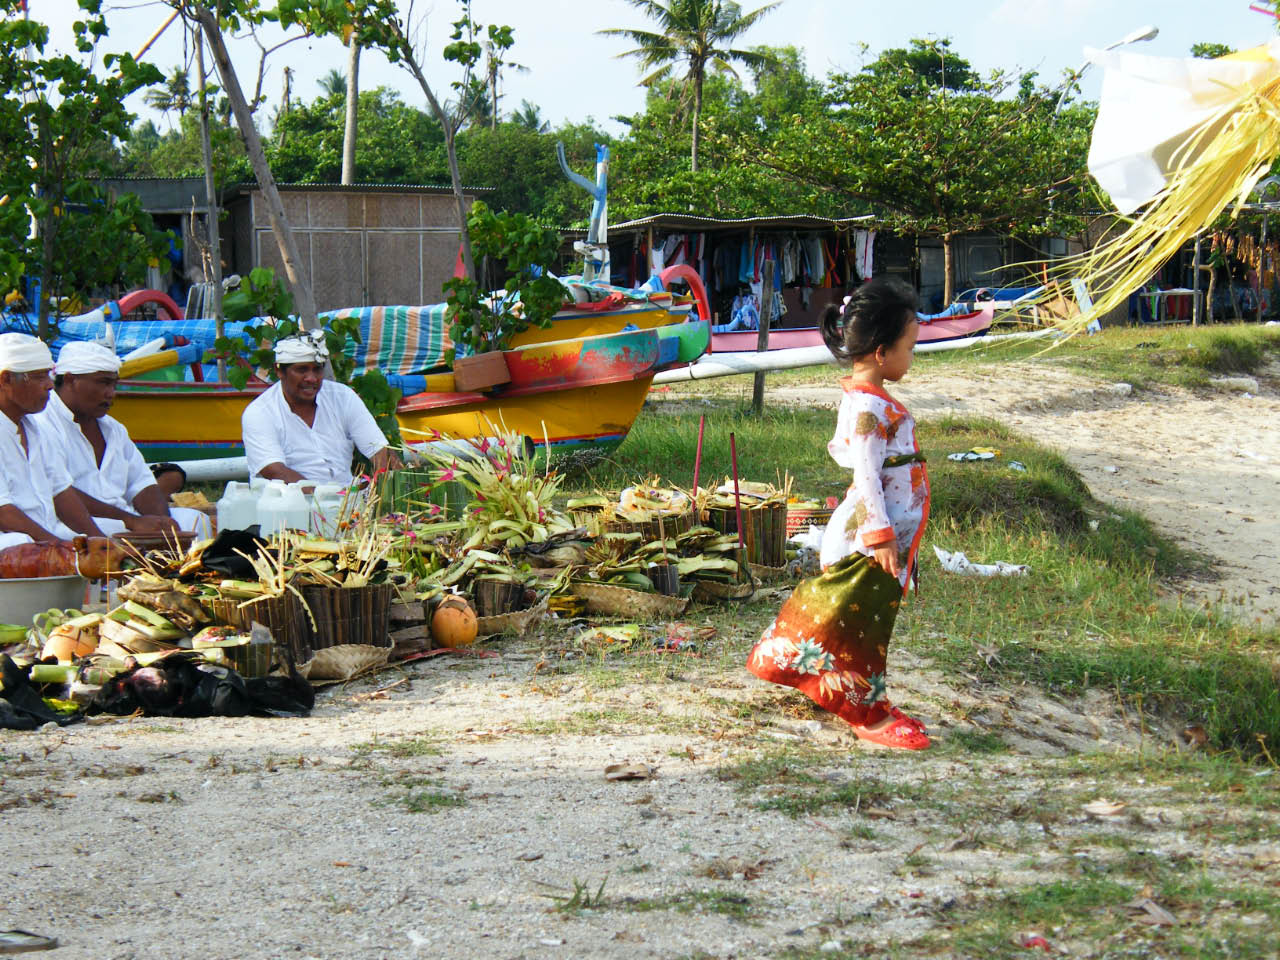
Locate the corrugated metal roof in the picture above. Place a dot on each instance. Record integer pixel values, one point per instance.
(684, 221)
(435, 188)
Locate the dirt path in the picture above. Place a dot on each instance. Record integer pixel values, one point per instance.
(456, 813)
(1204, 466)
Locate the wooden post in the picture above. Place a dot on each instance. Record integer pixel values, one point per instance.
(762, 341)
(1195, 284)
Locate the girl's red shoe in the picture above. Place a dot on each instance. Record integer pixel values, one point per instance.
(905, 732)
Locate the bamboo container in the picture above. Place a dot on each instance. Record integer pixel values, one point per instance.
(345, 615)
(283, 616)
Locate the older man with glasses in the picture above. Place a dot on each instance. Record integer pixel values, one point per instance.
(105, 465)
(37, 499)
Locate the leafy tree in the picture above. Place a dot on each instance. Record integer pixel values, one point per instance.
(1211, 51)
(174, 94)
(935, 161)
(401, 144)
(58, 121)
(521, 165)
(695, 33)
(930, 62)
(177, 153)
(377, 23)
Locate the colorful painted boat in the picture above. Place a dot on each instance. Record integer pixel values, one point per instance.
(580, 382)
(932, 330)
(581, 392)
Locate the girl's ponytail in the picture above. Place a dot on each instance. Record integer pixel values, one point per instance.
(832, 326)
(875, 315)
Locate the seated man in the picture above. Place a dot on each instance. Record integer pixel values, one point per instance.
(305, 427)
(37, 501)
(105, 465)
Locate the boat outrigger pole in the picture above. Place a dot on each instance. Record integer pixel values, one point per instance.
(595, 249)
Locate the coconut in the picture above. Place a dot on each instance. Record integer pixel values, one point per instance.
(72, 640)
(454, 623)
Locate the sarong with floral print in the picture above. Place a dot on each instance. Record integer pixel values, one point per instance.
(831, 639)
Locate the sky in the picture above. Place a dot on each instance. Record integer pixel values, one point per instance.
(573, 73)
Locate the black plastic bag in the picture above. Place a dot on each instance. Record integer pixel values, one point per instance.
(185, 685)
(21, 707)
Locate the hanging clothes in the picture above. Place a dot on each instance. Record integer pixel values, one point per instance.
(864, 246)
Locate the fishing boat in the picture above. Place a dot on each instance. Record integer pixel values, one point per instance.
(579, 383)
(934, 328)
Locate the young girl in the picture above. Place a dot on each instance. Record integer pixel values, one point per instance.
(831, 637)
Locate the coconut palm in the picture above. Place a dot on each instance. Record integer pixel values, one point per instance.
(529, 116)
(333, 84)
(696, 33)
(173, 94)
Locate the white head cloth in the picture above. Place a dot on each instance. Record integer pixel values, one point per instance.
(20, 353)
(81, 356)
(304, 348)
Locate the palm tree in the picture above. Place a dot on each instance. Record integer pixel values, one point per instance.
(333, 84)
(529, 116)
(695, 33)
(174, 94)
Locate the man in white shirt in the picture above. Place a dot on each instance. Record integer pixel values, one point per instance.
(37, 500)
(105, 465)
(305, 427)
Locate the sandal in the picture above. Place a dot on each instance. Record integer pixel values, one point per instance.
(905, 732)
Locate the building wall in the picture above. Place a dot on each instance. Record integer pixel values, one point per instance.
(357, 249)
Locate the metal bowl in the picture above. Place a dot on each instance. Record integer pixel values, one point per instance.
(22, 599)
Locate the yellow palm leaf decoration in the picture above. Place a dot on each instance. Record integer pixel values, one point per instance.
(1184, 140)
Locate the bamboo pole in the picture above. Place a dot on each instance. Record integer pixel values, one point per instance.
(288, 247)
(762, 340)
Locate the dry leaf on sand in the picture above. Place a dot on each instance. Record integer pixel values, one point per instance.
(1103, 808)
(628, 771)
(1150, 912)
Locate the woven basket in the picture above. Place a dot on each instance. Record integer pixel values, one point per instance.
(672, 526)
(343, 662)
(713, 591)
(798, 519)
(346, 616)
(610, 600)
(769, 574)
(518, 623)
(283, 616)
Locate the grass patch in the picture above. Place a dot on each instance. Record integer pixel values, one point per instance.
(431, 801)
(401, 749)
(719, 902)
(968, 740)
(1145, 357)
(1090, 615)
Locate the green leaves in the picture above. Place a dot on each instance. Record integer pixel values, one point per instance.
(523, 248)
(58, 122)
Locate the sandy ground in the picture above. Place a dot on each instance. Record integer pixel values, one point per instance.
(244, 838)
(1204, 465)
(439, 810)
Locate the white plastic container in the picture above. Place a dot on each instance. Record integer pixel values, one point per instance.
(326, 509)
(282, 506)
(238, 508)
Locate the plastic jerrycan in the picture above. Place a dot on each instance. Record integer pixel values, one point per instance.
(238, 508)
(282, 506)
(326, 509)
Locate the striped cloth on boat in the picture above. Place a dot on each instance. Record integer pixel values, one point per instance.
(398, 340)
